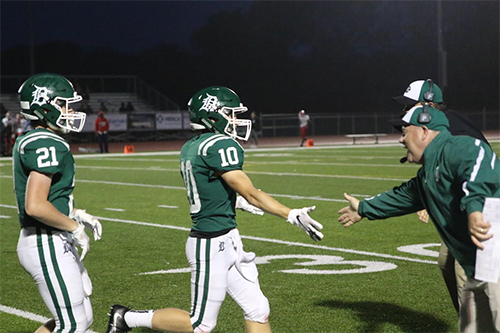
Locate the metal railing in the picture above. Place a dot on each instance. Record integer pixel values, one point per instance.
(276, 125)
(103, 84)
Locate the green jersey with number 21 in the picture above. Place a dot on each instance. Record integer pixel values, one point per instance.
(43, 151)
(211, 200)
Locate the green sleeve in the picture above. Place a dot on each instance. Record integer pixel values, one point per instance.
(45, 156)
(401, 200)
(224, 155)
(478, 169)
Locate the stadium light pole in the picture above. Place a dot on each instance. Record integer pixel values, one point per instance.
(442, 64)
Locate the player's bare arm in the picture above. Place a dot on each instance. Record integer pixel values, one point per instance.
(38, 206)
(239, 181)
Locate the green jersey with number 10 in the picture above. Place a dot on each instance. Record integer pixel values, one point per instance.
(43, 151)
(211, 200)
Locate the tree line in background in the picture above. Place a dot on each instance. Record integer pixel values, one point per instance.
(327, 57)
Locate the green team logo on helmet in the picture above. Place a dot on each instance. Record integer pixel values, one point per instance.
(47, 97)
(215, 108)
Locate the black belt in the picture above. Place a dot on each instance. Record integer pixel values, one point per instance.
(204, 234)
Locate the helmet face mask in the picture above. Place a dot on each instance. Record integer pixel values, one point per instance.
(216, 108)
(47, 97)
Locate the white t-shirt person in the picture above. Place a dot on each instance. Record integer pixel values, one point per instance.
(304, 120)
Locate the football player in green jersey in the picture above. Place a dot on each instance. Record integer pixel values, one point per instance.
(44, 178)
(211, 166)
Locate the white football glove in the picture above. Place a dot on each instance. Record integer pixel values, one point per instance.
(301, 218)
(81, 239)
(88, 221)
(242, 203)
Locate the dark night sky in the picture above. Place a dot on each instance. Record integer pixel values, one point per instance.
(125, 26)
(281, 55)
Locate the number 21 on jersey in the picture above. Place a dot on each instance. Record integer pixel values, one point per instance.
(46, 158)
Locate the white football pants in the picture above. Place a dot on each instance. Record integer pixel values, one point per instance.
(219, 266)
(63, 282)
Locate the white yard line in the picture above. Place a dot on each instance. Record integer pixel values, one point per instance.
(323, 176)
(249, 162)
(268, 240)
(8, 206)
(293, 174)
(28, 315)
(277, 241)
(131, 184)
(182, 188)
(115, 209)
(293, 162)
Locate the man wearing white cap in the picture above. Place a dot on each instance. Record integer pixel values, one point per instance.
(458, 173)
(418, 93)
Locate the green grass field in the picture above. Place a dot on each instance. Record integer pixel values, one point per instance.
(355, 280)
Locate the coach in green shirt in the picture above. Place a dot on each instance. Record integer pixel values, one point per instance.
(457, 174)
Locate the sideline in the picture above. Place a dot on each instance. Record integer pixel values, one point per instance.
(250, 150)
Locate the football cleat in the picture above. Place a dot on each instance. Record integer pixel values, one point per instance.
(117, 322)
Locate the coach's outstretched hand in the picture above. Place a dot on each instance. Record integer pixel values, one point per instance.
(350, 213)
(301, 218)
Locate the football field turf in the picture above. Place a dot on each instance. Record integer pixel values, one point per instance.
(376, 276)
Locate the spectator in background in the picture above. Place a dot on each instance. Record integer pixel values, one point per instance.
(22, 125)
(304, 120)
(3, 110)
(1, 140)
(85, 108)
(86, 94)
(101, 131)
(129, 107)
(122, 108)
(255, 133)
(85, 105)
(103, 107)
(8, 133)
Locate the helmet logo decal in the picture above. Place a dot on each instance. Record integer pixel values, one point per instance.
(210, 103)
(41, 95)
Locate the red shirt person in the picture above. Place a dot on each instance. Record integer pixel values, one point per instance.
(101, 130)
